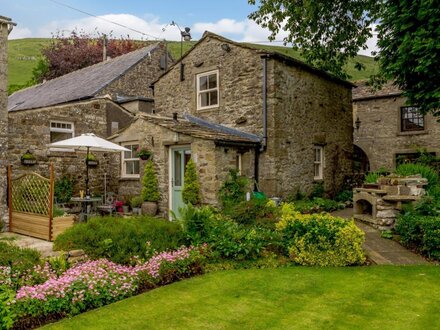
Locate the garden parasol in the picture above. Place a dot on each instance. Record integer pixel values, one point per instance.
(88, 142)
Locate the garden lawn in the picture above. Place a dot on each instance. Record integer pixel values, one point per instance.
(377, 297)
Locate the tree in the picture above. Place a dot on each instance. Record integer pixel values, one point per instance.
(191, 186)
(328, 33)
(409, 50)
(78, 50)
(150, 191)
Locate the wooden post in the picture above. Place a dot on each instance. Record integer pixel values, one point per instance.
(51, 191)
(10, 195)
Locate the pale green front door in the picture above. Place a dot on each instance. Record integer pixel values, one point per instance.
(179, 158)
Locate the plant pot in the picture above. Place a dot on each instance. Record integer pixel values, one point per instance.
(149, 208)
(125, 208)
(28, 161)
(92, 163)
(137, 211)
(145, 157)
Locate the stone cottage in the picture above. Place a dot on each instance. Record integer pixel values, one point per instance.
(298, 120)
(89, 100)
(6, 26)
(389, 131)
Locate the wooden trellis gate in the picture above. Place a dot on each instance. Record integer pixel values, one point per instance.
(30, 198)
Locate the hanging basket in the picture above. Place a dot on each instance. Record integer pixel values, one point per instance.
(28, 158)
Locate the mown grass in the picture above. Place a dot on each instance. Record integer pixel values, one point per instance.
(377, 297)
(23, 55)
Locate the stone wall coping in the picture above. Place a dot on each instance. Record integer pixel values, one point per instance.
(400, 198)
(374, 191)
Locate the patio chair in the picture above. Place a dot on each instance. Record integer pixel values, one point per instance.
(109, 205)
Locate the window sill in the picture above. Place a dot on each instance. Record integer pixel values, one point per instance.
(208, 108)
(424, 132)
(129, 178)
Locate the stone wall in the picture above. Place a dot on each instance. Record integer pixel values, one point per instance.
(303, 108)
(379, 134)
(309, 111)
(5, 25)
(137, 80)
(30, 130)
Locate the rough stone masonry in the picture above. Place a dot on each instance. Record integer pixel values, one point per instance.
(5, 28)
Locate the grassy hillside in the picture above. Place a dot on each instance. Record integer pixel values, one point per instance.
(23, 55)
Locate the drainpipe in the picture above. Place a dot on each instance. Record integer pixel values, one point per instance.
(264, 142)
(256, 167)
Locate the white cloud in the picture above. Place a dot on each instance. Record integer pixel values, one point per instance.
(245, 30)
(371, 44)
(20, 32)
(223, 26)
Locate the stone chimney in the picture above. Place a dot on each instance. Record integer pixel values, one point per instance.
(6, 26)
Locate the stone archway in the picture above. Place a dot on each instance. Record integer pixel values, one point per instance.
(361, 163)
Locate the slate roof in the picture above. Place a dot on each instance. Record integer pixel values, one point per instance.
(78, 85)
(364, 92)
(203, 129)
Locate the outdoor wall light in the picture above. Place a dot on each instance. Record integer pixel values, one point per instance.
(357, 123)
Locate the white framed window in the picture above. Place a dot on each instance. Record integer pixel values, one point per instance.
(129, 161)
(239, 163)
(59, 131)
(207, 90)
(318, 163)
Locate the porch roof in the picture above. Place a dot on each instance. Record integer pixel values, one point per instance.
(199, 128)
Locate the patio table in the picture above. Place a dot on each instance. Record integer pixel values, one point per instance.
(85, 203)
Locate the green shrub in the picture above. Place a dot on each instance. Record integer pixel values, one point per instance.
(421, 232)
(150, 191)
(233, 190)
(197, 223)
(372, 177)
(425, 171)
(320, 239)
(191, 185)
(120, 239)
(226, 238)
(260, 212)
(7, 315)
(63, 189)
(229, 240)
(318, 190)
(344, 196)
(136, 201)
(21, 259)
(317, 205)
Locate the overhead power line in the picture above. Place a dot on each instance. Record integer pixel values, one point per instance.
(104, 19)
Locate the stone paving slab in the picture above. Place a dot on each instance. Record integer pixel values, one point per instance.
(380, 250)
(44, 247)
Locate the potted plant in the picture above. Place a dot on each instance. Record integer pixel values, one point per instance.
(191, 187)
(144, 153)
(28, 158)
(136, 203)
(91, 160)
(150, 191)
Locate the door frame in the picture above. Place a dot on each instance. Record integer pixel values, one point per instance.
(171, 150)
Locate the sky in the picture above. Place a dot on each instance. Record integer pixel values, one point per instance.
(43, 18)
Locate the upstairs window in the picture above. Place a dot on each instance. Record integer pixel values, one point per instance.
(129, 161)
(60, 131)
(411, 119)
(207, 90)
(318, 163)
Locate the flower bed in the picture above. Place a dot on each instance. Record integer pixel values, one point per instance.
(94, 284)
